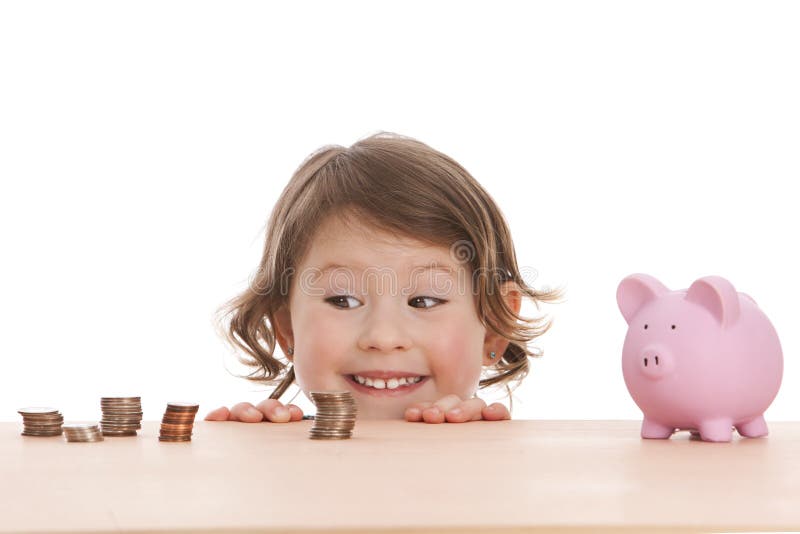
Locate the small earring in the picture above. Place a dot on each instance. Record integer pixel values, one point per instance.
(492, 355)
(290, 351)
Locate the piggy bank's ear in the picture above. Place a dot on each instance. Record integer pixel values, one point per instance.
(635, 291)
(718, 296)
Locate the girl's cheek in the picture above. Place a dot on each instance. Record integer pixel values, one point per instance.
(320, 323)
(456, 367)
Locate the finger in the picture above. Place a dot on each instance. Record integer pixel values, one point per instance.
(246, 413)
(495, 412)
(448, 403)
(468, 410)
(220, 414)
(296, 412)
(435, 413)
(414, 412)
(274, 411)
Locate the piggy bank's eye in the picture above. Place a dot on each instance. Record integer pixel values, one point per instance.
(673, 327)
(645, 327)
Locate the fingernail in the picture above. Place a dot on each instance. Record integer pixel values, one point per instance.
(281, 412)
(455, 411)
(252, 412)
(435, 410)
(413, 412)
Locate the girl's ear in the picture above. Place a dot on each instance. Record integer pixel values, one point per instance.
(283, 330)
(494, 343)
(512, 296)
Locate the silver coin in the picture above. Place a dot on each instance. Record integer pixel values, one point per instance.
(336, 415)
(336, 426)
(86, 440)
(58, 417)
(37, 410)
(39, 434)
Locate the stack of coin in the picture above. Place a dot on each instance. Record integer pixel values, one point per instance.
(178, 421)
(336, 415)
(122, 416)
(41, 421)
(82, 433)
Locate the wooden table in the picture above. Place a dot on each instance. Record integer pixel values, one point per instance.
(477, 477)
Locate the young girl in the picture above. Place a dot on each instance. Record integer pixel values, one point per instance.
(389, 272)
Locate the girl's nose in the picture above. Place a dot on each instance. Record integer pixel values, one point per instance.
(384, 331)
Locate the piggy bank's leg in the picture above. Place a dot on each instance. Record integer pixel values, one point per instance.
(653, 430)
(716, 430)
(754, 428)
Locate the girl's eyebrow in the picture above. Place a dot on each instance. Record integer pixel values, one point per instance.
(431, 266)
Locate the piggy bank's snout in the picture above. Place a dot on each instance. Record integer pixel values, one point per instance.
(656, 362)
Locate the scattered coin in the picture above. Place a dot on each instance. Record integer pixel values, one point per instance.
(122, 416)
(82, 432)
(39, 421)
(178, 421)
(336, 415)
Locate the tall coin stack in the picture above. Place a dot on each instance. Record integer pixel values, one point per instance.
(178, 421)
(336, 415)
(82, 433)
(122, 416)
(41, 421)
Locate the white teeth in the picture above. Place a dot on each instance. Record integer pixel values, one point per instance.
(390, 383)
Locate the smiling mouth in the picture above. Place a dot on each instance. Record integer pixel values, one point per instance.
(393, 386)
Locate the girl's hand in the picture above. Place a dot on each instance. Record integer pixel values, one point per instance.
(266, 410)
(452, 409)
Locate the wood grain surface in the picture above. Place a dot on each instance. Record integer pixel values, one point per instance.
(508, 476)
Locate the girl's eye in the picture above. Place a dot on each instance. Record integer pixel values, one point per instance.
(416, 299)
(339, 299)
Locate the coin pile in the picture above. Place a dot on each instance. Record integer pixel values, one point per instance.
(41, 421)
(82, 433)
(178, 421)
(122, 416)
(336, 415)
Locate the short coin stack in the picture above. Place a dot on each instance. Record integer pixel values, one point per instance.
(336, 415)
(41, 421)
(122, 416)
(82, 433)
(178, 421)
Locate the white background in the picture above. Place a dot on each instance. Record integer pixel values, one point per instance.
(143, 145)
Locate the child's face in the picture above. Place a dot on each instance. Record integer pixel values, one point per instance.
(386, 325)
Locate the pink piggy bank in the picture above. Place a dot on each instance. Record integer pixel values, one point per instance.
(704, 359)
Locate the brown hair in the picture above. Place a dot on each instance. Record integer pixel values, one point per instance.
(404, 187)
